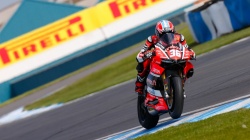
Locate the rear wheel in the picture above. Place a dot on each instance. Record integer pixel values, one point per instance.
(176, 98)
(146, 120)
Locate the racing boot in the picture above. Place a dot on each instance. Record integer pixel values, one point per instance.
(139, 85)
(142, 69)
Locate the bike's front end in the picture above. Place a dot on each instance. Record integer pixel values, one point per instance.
(164, 91)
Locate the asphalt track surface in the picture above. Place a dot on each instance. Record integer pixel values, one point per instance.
(219, 76)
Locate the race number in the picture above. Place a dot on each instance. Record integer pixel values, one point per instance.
(175, 53)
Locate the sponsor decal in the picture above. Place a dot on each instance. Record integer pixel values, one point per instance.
(36, 43)
(122, 8)
(156, 71)
(151, 82)
(82, 22)
(112, 10)
(46, 37)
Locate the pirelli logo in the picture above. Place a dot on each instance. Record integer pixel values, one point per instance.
(63, 30)
(120, 8)
(37, 42)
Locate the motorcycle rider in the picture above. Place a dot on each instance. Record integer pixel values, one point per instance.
(143, 57)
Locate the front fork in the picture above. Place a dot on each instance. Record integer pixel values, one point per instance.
(165, 81)
(166, 84)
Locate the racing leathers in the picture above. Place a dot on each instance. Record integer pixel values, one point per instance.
(143, 59)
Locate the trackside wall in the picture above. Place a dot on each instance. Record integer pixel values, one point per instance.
(216, 18)
(73, 42)
(23, 83)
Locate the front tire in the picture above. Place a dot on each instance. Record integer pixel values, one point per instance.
(146, 120)
(176, 98)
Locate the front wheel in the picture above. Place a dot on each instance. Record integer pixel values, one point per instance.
(175, 101)
(146, 120)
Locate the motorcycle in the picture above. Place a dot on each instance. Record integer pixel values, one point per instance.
(164, 89)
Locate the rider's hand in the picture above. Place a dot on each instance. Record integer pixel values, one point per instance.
(193, 57)
(148, 54)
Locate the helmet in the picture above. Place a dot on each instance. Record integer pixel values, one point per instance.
(164, 26)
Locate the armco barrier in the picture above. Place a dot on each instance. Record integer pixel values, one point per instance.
(217, 18)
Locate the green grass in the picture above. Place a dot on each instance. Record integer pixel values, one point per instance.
(234, 125)
(125, 70)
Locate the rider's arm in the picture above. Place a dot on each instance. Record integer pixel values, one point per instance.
(151, 40)
(184, 43)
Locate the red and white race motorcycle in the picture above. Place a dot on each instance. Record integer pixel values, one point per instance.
(164, 90)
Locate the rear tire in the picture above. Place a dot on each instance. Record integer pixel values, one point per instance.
(146, 120)
(176, 99)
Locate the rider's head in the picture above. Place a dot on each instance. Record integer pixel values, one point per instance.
(164, 26)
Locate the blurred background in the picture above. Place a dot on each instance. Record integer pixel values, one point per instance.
(8, 7)
(95, 29)
(20, 17)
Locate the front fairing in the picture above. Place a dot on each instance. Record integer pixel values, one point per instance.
(169, 49)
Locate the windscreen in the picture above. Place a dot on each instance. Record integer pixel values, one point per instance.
(167, 39)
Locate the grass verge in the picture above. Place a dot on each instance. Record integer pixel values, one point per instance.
(125, 70)
(234, 125)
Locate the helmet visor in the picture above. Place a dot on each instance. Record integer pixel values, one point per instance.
(167, 39)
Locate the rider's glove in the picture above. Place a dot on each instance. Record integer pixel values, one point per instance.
(148, 54)
(193, 57)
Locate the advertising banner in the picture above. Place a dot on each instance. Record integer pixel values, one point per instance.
(44, 38)
(79, 31)
(78, 24)
(113, 10)
(76, 35)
